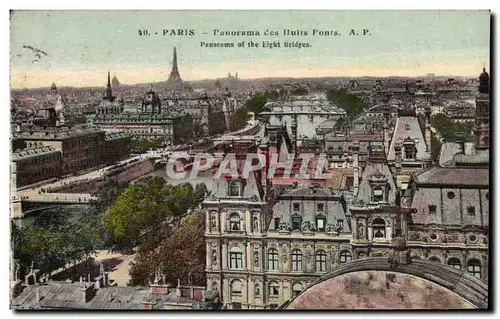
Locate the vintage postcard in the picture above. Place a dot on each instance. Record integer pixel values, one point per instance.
(220, 160)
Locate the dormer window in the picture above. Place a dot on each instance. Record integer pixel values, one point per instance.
(407, 127)
(296, 207)
(409, 152)
(319, 208)
(378, 194)
(296, 222)
(320, 223)
(234, 189)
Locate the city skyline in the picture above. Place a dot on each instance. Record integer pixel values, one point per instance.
(446, 43)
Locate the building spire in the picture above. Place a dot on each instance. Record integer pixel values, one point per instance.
(174, 62)
(175, 77)
(109, 91)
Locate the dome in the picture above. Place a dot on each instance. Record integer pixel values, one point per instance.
(151, 102)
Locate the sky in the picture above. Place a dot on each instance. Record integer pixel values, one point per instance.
(81, 46)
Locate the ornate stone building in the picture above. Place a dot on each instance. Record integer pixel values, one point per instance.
(267, 242)
(149, 123)
(451, 223)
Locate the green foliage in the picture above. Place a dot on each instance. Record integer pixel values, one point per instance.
(53, 247)
(123, 217)
(52, 240)
(447, 128)
(240, 118)
(435, 142)
(200, 191)
(181, 255)
(255, 104)
(353, 105)
(143, 208)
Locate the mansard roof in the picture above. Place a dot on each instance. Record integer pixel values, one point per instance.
(312, 192)
(252, 190)
(408, 127)
(31, 153)
(334, 208)
(454, 176)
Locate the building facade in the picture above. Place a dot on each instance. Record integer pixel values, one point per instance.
(30, 166)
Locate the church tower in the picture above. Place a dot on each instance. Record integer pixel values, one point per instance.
(482, 117)
(108, 95)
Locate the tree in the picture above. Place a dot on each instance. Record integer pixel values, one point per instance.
(240, 118)
(146, 207)
(447, 128)
(124, 219)
(255, 104)
(352, 104)
(179, 256)
(200, 191)
(52, 247)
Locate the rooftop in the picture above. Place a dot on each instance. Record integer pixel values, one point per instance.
(458, 176)
(31, 153)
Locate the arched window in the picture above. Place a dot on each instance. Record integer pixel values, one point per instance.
(272, 259)
(296, 289)
(236, 287)
(235, 258)
(320, 260)
(455, 262)
(474, 268)
(434, 259)
(274, 289)
(378, 194)
(235, 222)
(296, 260)
(345, 256)
(378, 228)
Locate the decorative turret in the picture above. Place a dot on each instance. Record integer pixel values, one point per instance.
(484, 82)
(482, 116)
(151, 102)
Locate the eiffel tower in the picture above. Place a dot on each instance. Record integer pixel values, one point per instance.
(175, 77)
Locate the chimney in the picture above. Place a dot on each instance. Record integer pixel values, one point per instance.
(469, 147)
(428, 113)
(355, 166)
(87, 291)
(294, 135)
(398, 155)
(387, 137)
